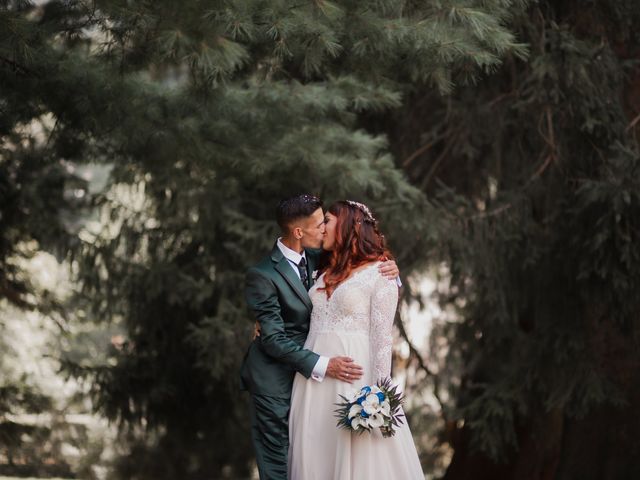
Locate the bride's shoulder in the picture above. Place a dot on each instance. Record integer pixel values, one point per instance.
(368, 267)
(378, 279)
(375, 264)
(372, 269)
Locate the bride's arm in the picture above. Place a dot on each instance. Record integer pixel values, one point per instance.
(384, 301)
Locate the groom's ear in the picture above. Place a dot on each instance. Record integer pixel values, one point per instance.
(297, 232)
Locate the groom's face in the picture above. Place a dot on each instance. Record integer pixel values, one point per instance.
(312, 228)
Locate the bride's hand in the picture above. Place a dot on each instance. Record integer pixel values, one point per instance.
(344, 369)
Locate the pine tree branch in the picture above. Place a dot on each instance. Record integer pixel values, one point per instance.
(633, 123)
(436, 164)
(409, 160)
(500, 97)
(53, 130)
(547, 161)
(413, 352)
(549, 140)
(90, 20)
(18, 67)
(491, 213)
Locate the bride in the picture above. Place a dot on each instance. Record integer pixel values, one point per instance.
(353, 312)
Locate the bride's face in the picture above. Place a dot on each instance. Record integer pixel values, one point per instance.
(329, 231)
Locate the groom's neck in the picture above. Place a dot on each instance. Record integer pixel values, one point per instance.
(292, 243)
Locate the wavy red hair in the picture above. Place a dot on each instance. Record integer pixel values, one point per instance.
(358, 241)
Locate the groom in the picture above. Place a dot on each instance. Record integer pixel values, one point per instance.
(276, 291)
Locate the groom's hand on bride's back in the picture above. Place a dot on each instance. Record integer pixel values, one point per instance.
(389, 269)
(344, 369)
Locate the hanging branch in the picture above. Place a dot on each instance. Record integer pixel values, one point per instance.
(18, 68)
(414, 353)
(409, 160)
(550, 140)
(436, 164)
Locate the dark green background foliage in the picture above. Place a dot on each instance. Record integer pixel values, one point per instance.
(496, 138)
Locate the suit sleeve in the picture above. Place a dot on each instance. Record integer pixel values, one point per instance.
(262, 298)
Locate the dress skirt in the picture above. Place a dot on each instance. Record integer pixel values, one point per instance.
(318, 449)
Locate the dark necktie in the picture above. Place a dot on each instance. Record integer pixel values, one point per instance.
(302, 268)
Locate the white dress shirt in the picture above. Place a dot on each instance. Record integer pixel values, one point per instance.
(320, 369)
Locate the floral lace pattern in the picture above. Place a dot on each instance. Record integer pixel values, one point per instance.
(364, 304)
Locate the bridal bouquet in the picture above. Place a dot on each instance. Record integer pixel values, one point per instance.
(375, 406)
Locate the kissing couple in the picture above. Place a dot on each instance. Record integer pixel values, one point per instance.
(321, 337)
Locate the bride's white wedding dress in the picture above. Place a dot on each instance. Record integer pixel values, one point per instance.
(357, 321)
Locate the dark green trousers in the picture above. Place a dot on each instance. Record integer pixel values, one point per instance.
(270, 435)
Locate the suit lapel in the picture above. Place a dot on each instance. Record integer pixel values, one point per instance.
(284, 268)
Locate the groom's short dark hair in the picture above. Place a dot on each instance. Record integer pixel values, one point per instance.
(297, 207)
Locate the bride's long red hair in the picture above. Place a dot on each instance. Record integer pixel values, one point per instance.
(358, 241)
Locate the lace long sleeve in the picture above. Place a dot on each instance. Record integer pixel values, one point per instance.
(384, 301)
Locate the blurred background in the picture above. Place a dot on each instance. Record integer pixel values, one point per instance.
(144, 146)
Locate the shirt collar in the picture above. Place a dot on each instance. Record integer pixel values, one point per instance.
(289, 254)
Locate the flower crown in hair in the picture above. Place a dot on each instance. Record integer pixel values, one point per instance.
(368, 216)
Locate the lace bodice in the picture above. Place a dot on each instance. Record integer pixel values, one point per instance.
(364, 304)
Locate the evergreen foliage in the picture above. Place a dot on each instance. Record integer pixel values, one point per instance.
(209, 112)
(535, 170)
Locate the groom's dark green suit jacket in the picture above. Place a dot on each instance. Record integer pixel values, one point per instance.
(282, 306)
